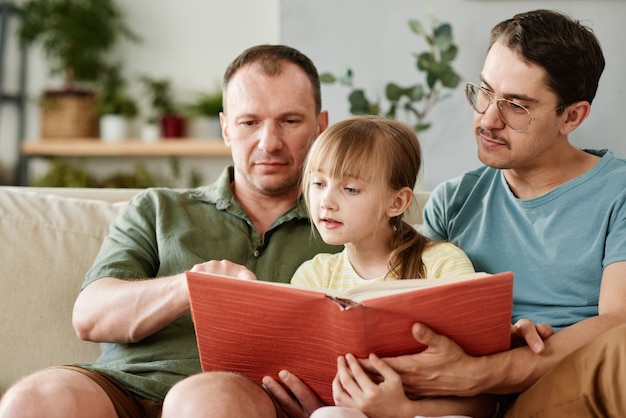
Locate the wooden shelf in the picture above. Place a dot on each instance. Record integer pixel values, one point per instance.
(89, 147)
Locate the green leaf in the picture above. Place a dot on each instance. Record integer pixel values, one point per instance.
(421, 127)
(431, 79)
(391, 113)
(416, 93)
(450, 79)
(449, 54)
(359, 105)
(393, 92)
(424, 61)
(417, 27)
(443, 36)
(327, 78)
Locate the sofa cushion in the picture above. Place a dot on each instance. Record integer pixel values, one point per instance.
(48, 243)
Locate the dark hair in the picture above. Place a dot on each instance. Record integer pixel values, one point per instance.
(568, 51)
(270, 58)
(374, 148)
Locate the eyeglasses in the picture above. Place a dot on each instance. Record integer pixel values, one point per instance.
(514, 115)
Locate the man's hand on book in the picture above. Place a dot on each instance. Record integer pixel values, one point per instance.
(442, 369)
(293, 395)
(526, 332)
(224, 268)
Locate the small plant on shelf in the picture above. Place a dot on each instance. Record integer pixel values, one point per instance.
(113, 97)
(76, 36)
(163, 109)
(207, 104)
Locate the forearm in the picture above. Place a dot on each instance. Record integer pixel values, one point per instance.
(114, 310)
(515, 370)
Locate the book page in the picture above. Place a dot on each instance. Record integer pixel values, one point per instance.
(375, 289)
(389, 287)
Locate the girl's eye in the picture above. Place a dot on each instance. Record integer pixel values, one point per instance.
(318, 184)
(351, 190)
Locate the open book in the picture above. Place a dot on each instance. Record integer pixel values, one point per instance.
(258, 328)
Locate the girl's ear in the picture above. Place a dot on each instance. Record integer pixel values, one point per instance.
(400, 203)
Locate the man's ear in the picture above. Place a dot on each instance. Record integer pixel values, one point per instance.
(575, 114)
(400, 203)
(224, 125)
(322, 122)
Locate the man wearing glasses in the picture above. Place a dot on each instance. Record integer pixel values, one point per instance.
(553, 214)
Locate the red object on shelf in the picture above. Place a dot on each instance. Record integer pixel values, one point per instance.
(173, 126)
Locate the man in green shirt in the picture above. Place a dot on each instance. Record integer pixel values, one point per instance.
(134, 299)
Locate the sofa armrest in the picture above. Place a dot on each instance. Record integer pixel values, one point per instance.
(48, 243)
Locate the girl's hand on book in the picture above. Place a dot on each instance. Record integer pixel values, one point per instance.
(352, 387)
(224, 268)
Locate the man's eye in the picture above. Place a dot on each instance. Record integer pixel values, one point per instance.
(514, 107)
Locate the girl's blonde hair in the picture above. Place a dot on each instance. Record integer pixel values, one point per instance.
(374, 148)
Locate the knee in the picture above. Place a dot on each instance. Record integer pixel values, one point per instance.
(24, 399)
(218, 394)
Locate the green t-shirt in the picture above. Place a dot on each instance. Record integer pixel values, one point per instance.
(164, 232)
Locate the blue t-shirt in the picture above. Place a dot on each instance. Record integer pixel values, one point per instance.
(557, 244)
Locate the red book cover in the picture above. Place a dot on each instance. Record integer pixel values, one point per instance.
(258, 328)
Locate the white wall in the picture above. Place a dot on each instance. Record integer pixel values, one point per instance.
(192, 41)
(373, 38)
(189, 41)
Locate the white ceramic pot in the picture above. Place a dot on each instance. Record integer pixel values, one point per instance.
(113, 128)
(150, 132)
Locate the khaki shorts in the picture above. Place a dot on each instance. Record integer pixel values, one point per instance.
(130, 405)
(127, 404)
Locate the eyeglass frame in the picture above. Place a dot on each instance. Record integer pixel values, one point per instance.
(496, 99)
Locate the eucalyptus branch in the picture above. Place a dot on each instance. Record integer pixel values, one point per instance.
(417, 99)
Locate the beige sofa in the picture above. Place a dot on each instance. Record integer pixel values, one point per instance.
(49, 238)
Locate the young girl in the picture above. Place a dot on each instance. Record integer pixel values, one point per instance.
(358, 182)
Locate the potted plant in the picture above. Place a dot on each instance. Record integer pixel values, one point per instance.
(75, 35)
(163, 110)
(206, 110)
(115, 106)
(417, 99)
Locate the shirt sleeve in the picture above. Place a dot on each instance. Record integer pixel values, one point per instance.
(313, 273)
(444, 259)
(129, 250)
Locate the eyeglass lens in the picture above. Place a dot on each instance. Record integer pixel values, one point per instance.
(513, 115)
